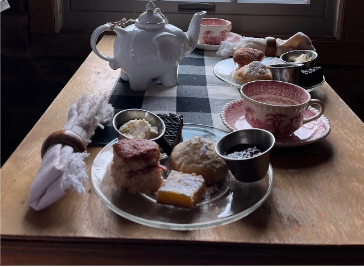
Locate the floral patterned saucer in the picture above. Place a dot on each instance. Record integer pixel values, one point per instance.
(232, 38)
(309, 133)
(208, 47)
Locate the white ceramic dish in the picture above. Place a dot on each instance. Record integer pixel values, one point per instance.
(208, 47)
(232, 38)
(224, 203)
(309, 133)
(225, 68)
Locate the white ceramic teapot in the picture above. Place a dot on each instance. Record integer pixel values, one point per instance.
(150, 48)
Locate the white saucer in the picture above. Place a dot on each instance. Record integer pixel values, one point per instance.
(208, 47)
(232, 38)
(225, 68)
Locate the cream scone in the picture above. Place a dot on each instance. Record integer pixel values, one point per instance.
(252, 72)
(197, 155)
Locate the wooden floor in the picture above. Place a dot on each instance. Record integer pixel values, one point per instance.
(28, 90)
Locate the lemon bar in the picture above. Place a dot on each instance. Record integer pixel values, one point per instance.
(181, 190)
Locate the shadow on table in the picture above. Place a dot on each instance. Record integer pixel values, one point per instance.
(43, 219)
(319, 94)
(258, 220)
(56, 215)
(302, 157)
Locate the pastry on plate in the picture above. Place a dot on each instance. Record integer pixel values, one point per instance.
(244, 56)
(197, 155)
(253, 72)
(181, 190)
(135, 167)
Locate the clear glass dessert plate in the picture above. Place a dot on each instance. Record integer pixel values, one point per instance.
(222, 203)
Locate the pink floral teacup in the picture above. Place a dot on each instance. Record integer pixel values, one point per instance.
(213, 31)
(277, 107)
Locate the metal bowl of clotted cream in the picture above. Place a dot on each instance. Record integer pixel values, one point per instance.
(306, 57)
(138, 124)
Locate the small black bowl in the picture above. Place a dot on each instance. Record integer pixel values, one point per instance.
(250, 169)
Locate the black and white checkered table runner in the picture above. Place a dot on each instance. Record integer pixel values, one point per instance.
(199, 95)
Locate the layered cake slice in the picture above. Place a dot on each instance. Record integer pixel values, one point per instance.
(135, 166)
(173, 133)
(181, 190)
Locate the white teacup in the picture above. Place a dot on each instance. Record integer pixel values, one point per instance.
(277, 107)
(213, 31)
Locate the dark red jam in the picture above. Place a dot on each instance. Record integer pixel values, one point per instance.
(243, 151)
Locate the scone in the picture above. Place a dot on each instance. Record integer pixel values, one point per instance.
(252, 72)
(135, 167)
(197, 155)
(244, 56)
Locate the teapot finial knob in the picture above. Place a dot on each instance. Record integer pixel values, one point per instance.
(150, 6)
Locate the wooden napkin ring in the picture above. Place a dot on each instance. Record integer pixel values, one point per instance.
(270, 50)
(64, 137)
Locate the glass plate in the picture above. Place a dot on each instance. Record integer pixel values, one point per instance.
(222, 204)
(225, 68)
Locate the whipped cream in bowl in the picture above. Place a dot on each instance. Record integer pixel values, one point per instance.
(306, 57)
(138, 124)
(139, 129)
(302, 58)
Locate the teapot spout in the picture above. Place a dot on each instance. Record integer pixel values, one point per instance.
(193, 32)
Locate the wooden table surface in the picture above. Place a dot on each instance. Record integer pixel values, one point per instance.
(317, 202)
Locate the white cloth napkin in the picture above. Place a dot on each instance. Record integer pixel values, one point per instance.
(61, 169)
(299, 41)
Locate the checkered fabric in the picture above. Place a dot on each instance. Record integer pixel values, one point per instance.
(199, 95)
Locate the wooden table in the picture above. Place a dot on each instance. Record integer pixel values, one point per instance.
(314, 214)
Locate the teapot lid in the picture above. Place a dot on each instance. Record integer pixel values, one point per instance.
(150, 19)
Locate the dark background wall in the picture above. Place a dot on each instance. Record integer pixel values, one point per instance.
(35, 67)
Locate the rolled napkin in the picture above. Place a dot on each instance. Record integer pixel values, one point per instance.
(63, 169)
(270, 46)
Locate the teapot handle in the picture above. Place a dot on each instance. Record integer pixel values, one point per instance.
(93, 41)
